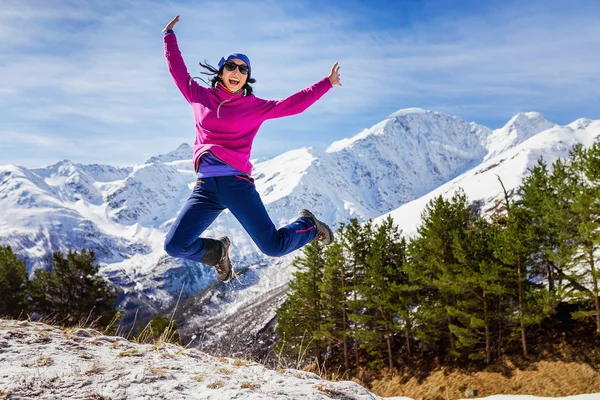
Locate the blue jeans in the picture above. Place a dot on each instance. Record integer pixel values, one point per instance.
(237, 193)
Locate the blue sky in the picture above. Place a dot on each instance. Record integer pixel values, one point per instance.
(87, 81)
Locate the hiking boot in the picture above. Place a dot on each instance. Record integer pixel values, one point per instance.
(217, 255)
(223, 266)
(324, 232)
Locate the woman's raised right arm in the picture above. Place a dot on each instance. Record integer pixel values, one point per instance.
(188, 87)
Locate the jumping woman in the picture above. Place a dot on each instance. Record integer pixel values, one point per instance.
(227, 118)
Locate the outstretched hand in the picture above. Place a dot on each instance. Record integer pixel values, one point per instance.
(334, 75)
(171, 24)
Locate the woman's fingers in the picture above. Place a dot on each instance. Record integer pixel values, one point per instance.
(335, 68)
(171, 24)
(334, 76)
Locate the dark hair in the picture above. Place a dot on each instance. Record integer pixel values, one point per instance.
(212, 71)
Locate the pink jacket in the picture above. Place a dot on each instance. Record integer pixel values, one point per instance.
(226, 123)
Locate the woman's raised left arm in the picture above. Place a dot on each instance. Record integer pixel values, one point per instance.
(298, 102)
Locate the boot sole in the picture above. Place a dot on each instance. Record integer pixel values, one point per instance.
(227, 262)
(330, 232)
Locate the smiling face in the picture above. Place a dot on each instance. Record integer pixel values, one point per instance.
(234, 80)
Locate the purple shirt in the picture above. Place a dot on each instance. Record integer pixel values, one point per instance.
(211, 166)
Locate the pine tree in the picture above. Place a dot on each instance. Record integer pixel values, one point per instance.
(356, 240)
(405, 293)
(383, 269)
(433, 265)
(584, 168)
(513, 247)
(479, 286)
(300, 317)
(335, 289)
(13, 284)
(544, 198)
(532, 242)
(566, 230)
(74, 292)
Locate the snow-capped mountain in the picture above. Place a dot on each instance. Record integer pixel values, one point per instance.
(481, 183)
(520, 128)
(123, 214)
(401, 158)
(183, 152)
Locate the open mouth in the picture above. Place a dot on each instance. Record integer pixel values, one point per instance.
(234, 82)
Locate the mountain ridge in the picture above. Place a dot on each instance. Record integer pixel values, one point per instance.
(123, 213)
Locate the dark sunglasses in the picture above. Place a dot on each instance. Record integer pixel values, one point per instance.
(231, 66)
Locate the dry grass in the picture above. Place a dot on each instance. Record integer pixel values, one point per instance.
(248, 385)
(44, 361)
(199, 378)
(216, 385)
(130, 353)
(329, 392)
(224, 370)
(94, 370)
(160, 372)
(241, 363)
(41, 361)
(95, 396)
(542, 378)
(80, 330)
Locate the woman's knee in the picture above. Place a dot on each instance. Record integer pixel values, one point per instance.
(173, 248)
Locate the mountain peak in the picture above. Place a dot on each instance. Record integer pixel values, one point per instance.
(409, 111)
(347, 142)
(183, 152)
(518, 129)
(408, 122)
(527, 122)
(580, 123)
(379, 128)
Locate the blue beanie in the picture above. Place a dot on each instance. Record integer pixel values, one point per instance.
(240, 56)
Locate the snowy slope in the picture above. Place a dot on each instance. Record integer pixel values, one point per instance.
(511, 166)
(43, 362)
(520, 128)
(123, 214)
(403, 157)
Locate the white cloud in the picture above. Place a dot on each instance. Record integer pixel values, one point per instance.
(7, 138)
(72, 66)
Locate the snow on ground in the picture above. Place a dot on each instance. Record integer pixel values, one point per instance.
(39, 361)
